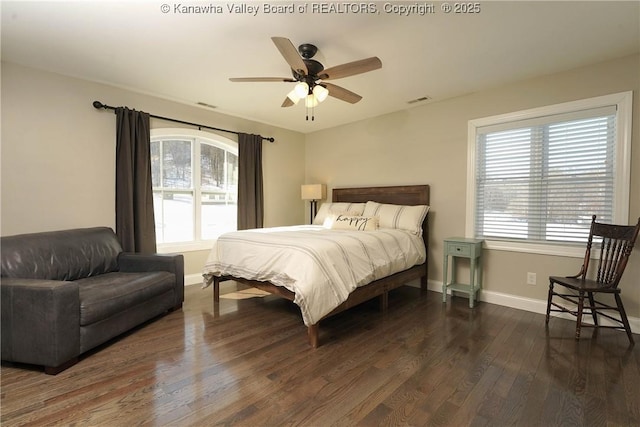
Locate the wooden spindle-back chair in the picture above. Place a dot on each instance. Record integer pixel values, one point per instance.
(614, 250)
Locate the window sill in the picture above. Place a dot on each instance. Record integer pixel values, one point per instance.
(537, 248)
(204, 245)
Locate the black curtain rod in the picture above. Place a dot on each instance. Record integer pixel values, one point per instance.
(98, 105)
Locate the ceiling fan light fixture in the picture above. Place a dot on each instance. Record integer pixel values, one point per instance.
(310, 101)
(301, 89)
(320, 92)
(293, 96)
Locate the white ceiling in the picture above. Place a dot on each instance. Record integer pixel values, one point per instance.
(190, 57)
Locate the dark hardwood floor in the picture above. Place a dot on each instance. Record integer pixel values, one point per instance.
(248, 363)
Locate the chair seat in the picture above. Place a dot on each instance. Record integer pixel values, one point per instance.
(586, 285)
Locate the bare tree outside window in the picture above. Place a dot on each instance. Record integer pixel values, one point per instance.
(193, 201)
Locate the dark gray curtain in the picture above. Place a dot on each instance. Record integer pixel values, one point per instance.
(135, 224)
(250, 196)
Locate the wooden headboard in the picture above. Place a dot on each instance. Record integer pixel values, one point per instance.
(397, 195)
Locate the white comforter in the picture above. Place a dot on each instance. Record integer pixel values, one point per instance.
(322, 267)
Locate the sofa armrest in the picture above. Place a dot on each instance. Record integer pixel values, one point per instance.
(40, 321)
(173, 263)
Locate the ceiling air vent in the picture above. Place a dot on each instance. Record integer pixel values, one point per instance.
(421, 99)
(204, 104)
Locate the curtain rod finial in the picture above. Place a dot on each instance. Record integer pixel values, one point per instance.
(98, 104)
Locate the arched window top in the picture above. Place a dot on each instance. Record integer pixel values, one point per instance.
(204, 137)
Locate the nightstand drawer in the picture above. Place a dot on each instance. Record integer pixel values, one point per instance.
(461, 250)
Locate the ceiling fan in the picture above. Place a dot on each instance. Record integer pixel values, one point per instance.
(311, 75)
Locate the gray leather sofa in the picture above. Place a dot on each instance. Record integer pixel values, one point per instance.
(66, 292)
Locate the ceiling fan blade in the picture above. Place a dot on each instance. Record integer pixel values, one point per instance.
(290, 54)
(342, 93)
(287, 102)
(351, 68)
(262, 79)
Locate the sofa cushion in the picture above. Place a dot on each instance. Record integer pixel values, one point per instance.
(60, 255)
(107, 294)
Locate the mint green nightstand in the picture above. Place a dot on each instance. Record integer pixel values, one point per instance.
(460, 247)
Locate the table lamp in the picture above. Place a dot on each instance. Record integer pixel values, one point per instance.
(313, 193)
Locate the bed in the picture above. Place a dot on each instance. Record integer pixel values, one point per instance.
(226, 264)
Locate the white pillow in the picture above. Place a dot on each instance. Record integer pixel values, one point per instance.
(351, 222)
(327, 209)
(404, 217)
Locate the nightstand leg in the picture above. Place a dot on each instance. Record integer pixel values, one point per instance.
(479, 274)
(444, 278)
(472, 290)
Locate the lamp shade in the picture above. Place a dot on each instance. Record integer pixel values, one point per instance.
(293, 96)
(310, 101)
(302, 89)
(313, 191)
(320, 92)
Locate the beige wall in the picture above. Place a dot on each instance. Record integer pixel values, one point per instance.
(428, 145)
(58, 161)
(58, 154)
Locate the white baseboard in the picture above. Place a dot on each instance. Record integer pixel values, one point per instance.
(196, 279)
(193, 279)
(527, 304)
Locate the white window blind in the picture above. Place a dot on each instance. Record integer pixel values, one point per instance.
(541, 179)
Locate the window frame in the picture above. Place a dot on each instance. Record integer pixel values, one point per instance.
(623, 102)
(198, 137)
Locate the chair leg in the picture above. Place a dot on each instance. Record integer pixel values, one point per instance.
(549, 302)
(579, 315)
(623, 316)
(593, 310)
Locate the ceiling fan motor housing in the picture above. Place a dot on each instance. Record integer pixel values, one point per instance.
(313, 69)
(307, 50)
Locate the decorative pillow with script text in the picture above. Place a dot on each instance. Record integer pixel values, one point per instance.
(327, 209)
(353, 222)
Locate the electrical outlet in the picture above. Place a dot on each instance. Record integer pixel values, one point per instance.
(531, 278)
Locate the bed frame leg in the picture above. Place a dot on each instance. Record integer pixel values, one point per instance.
(312, 332)
(216, 289)
(423, 283)
(384, 301)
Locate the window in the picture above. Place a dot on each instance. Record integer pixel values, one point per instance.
(195, 187)
(537, 176)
